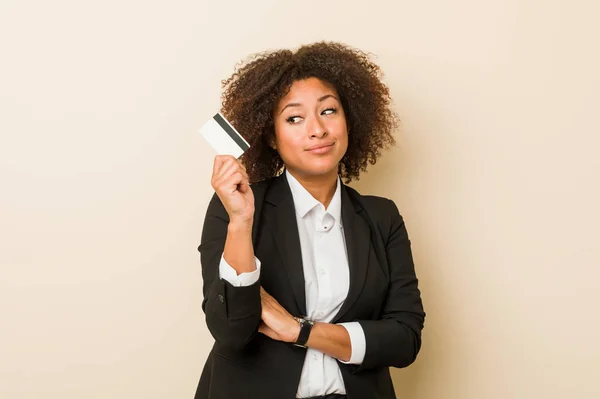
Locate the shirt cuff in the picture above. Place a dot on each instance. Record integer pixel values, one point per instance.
(358, 342)
(228, 273)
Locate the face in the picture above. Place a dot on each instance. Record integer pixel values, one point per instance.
(310, 129)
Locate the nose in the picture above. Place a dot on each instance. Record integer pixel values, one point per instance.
(317, 129)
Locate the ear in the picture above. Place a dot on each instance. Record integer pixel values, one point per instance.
(272, 143)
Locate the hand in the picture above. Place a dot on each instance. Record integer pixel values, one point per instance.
(277, 323)
(230, 182)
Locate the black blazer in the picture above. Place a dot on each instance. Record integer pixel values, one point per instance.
(383, 297)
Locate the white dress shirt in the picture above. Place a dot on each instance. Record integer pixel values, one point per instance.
(327, 280)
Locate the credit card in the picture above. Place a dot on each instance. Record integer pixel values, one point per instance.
(223, 137)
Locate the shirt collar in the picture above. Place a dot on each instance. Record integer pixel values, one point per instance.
(304, 202)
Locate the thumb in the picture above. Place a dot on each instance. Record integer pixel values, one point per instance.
(243, 187)
(263, 328)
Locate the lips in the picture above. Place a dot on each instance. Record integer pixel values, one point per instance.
(319, 146)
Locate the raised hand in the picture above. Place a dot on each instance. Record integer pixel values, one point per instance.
(230, 182)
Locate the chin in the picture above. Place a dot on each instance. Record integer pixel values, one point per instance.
(319, 168)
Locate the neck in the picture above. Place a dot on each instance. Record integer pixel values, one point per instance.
(321, 187)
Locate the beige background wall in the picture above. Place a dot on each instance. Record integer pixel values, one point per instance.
(104, 182)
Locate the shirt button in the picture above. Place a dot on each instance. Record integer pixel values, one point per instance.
(316, 357)
(322, 272)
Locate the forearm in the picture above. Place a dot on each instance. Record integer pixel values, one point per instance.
(331, 339)
(232, 312)
(238, 251)
(391, 343)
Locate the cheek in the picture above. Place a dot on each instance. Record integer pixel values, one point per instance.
(338, 126)
(343, 139)
(287, 140)
(341, 130)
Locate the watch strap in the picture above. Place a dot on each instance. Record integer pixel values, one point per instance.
(306, 326)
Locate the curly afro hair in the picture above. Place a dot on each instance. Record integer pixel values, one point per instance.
(253, 92)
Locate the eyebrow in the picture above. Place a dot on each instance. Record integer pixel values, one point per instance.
(326, 96)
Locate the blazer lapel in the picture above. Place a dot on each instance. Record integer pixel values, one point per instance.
(282, 220)
(358, 242)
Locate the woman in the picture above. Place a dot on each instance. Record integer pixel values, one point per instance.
(309, 287)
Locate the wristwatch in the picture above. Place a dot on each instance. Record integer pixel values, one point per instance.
(306, 326)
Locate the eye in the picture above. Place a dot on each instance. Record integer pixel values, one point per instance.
(329, 111)
(293, 119)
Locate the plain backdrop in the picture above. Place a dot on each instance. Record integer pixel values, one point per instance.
(104, 182)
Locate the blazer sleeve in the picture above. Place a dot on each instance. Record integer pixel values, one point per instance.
(232, 313)
(395, 339)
